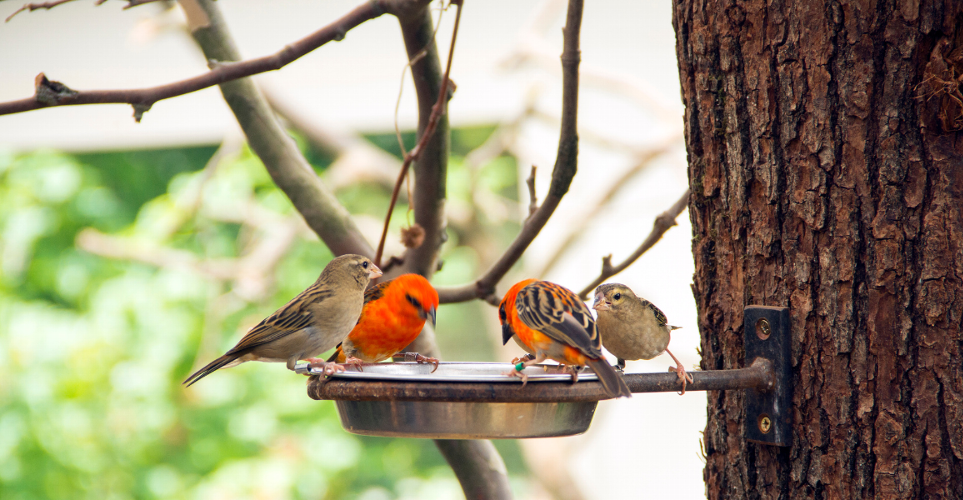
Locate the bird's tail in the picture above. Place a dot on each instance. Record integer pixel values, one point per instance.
(338, 356)
(611, 381)
(211, 367)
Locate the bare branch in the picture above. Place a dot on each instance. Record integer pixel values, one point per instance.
(356, 159)
(427, 131)
(49, 5)
(121, 248)
(566, 164)
(34, 6)
(577, 230)
(133, 3)
(401, 86)
(533, 199)
(288, 168)
(478, 467)
(476, 464)
(391, 264)
(222, 70)
(663, 222)
(536, 50)
(252, 273)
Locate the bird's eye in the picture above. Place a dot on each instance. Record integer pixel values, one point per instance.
(617, 296)
(413, 301)
(364, 264)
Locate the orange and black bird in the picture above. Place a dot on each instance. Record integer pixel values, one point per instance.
(311, 323)
(555, 324)
(393, 315)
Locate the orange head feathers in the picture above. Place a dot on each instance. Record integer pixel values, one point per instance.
(508, 316)
(393, 316)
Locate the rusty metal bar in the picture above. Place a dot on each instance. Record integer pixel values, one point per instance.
(759, 376)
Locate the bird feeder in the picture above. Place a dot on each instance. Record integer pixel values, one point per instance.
(478, 401)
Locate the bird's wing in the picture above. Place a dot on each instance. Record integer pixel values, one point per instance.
(659, 315)
(376, 292)
(294, 316)
(555, 311)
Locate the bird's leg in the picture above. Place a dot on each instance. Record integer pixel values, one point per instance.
(523, 358)
(327, 368)
(572, 370)
(417, 358)
(683, 376)
(353, 361)
(620, 366)
(517, 369)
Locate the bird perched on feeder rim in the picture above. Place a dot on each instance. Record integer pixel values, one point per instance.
(555, 324)
(394, 313)
(632, 327)
(313, 322)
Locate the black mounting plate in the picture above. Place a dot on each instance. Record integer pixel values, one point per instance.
(768, 337)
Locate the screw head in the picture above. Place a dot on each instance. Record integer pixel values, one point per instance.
(763, 329)
(765, 423)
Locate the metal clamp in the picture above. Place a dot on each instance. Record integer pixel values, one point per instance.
(767, 340)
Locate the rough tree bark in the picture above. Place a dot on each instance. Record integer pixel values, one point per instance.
(826, 169)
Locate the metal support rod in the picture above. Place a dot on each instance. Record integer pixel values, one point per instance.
(759, 376)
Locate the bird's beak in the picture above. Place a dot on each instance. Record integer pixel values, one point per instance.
(507, 333)
(374, 272)
(600, 304)
(430, 314)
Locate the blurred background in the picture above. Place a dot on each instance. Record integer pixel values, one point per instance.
(133, 253)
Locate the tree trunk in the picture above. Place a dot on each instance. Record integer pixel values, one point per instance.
(826, 169)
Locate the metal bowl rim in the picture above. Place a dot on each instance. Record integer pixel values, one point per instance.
(489, 372)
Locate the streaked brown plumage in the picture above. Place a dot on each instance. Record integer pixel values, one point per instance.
(632, 327)
(310, 324)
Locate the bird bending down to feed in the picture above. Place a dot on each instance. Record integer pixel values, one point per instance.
(555, 324)
(632, 327)
(393, 316)
(310, 324)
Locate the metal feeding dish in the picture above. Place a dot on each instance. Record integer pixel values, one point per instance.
(479, 401)
(458, 400)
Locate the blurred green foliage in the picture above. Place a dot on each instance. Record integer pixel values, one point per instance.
(112, 290)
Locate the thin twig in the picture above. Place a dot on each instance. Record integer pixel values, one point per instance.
(566, 165)
(401, 88)
(533, 199)
(49, 5)
(662, 223)
(288, 168)
(477, 465)
(188, 206)
(494, 206)
(535, 49)
(143, 99)
(436, 112)
(34, 6)
(575, 231)
(356, 160)
(134, 3)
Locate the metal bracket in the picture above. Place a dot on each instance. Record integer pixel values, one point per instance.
(767, 338)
